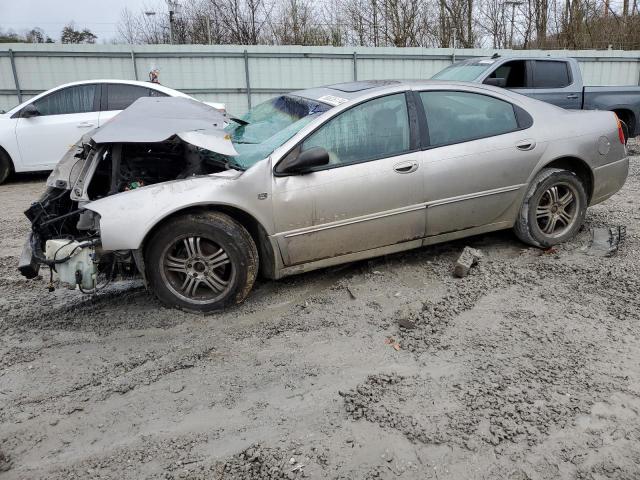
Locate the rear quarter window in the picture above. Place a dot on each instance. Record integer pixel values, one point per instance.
(455, 117)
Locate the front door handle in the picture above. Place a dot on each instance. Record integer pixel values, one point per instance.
(84, 125)
(526, 145)
(405, 167)
(572, 96)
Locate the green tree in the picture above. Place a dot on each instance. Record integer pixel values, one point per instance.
(36, 35)
(71, 35)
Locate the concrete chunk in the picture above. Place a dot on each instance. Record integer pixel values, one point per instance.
(467, 259)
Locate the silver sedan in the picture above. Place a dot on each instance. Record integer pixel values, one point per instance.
(346, 172)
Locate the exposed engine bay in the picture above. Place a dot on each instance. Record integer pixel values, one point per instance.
(66, 237)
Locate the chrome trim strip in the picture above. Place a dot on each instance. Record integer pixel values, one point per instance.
(471, 196)
(625, 159)
(357, 220)
(413, 208)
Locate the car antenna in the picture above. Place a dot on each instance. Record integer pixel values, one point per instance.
(495, 55)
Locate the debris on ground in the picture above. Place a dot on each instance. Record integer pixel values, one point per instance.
(351, 294)
(391, 341)
(606, 240)
(5, 462)
(406, 324)
(467, 259)
(176, 388)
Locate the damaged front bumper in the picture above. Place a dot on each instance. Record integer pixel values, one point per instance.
(155, 140)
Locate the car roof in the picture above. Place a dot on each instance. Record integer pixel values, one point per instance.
(338, 93)
(139, 83)
(155, 86)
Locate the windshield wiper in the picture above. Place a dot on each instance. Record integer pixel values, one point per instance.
(239, 121)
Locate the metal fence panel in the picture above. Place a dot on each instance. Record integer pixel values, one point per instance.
(222, 73)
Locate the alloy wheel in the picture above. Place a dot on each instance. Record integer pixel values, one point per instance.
(197, 269)
(557, 209)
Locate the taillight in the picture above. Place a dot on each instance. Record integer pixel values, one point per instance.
(620, 130)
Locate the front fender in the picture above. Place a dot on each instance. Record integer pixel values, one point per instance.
(127, 217)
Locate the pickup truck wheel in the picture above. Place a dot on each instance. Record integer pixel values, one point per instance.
(201, 262)
(5, 166)
(553, 209)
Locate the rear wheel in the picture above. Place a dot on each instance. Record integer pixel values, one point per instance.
(201, 262)
(5, 166)
(553, 209)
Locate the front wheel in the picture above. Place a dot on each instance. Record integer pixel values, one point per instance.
(201, 262)
(5, 166)
(553, 209)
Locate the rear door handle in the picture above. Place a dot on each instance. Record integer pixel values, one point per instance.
(572, 96)
(526, 145)
(84, 125)
(405, 167)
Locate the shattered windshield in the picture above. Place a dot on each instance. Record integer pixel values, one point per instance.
(464, 71)
(268, 125)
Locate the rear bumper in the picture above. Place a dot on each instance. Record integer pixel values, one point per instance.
(608, 179)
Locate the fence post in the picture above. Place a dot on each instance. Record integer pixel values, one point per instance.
(246, 75)
(133, 64)
(355, 66)
(15, 75)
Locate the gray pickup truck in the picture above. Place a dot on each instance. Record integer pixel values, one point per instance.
(552, 80)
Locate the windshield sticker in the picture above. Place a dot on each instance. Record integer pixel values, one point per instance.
(487, 62)
(332, 100)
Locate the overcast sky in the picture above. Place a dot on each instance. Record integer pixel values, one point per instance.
(99, 16)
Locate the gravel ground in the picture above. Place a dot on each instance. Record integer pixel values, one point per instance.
(526, 369)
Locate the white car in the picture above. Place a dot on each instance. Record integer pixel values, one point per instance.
(36, 134)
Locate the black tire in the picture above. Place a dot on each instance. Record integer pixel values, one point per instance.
(6, 167)
(201, 262)
(543, 222)
(625, 131)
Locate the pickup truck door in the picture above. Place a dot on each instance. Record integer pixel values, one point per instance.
(548, 80)
(553, 82)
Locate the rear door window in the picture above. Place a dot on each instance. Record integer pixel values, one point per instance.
(455, 117)
(550, 74)
(121, 95)
(76, 99)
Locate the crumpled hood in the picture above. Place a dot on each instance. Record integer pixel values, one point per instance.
(150, 120)
(156, 119)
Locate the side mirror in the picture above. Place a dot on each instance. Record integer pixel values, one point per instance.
(29, 111)
(496, 82)
(305, 161)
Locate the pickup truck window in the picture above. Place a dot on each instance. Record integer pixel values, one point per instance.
(550, 74)
(514, 73)
(455, 117)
